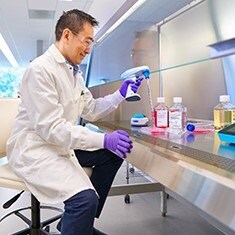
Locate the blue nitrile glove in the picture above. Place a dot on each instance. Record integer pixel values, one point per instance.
(118, 142)
(134, 86)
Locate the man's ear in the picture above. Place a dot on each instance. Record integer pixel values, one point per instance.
(66, 35)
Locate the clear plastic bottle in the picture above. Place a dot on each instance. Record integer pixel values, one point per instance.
(177, 114)
(161, 113)
(224, 113)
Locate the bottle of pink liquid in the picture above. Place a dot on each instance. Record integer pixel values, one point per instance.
(161, 112)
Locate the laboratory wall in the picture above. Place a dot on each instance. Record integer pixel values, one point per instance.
(180, 67)
(185, 39)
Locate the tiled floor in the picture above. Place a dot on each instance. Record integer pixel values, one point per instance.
(141, 217)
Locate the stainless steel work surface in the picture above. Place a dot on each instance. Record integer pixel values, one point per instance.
(196, 168)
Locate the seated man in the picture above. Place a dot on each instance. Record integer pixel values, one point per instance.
(45, 134)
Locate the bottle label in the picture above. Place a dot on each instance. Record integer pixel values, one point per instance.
(162, 118)
(184, 119)
(223, 118)
(175, 119)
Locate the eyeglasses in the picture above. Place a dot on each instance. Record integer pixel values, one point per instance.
(87, 42)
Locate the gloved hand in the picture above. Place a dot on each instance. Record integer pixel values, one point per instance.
(118, 142)
(134, 86)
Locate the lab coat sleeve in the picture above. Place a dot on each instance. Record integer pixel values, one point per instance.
(40, 98)
(95, 109)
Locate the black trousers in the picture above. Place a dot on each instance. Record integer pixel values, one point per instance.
(105, 165)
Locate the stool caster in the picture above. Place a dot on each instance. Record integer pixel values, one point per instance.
(47, 228)
(127, 199)
(132, 170)
(163, 214)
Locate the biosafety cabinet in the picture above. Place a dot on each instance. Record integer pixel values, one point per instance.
(188, 46)
(173, 38)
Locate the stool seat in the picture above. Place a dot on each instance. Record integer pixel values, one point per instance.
(9, 179)
(88, 171)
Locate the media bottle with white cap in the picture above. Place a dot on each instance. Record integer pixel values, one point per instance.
(224, 113)
(177, 114)
(161, 113)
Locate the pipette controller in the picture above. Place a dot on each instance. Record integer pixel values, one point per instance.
(135, 74)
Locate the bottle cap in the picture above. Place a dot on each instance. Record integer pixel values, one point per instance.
(160, 99)
(177, 99)
(190, 127)
(224, 98)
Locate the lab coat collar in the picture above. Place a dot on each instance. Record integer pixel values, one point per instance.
(76, 68)
(60, 59)
(57, 54)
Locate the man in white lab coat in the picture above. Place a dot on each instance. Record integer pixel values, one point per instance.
(45, 134)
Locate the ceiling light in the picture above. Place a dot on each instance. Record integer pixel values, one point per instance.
(121, 19)
(7, 52)
(41, 14)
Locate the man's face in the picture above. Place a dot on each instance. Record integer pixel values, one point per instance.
(79, 45)
(144, 52)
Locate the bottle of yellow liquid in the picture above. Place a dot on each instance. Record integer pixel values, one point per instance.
(224, 113)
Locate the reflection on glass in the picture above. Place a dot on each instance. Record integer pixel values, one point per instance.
(144, 50)
(186, 68)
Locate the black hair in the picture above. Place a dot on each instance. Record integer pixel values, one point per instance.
(73, 20)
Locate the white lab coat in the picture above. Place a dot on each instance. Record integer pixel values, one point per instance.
(40, 149)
